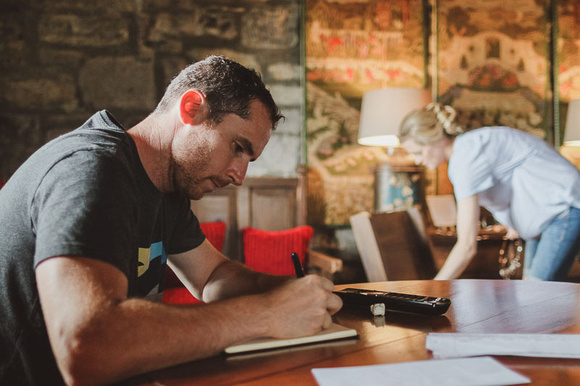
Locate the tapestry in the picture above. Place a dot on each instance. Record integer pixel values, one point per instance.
(568, 48)
(353, 46)
(567, 72)
(492, 63)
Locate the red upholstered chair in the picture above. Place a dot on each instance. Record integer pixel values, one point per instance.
(175, 292)
(269, 251)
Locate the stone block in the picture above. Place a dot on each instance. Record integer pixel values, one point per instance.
(271, 26)
(83, 30)
(164, 28)
(60, 59)
(287, 95)
(153, 6)
(219, 22)
(123, 82)
(13, 49)
(102, 6)
(280, 158)
(284, 71)
(40, 93)
(194, 23)
(293, 122)
(248, 60)
(20, 136)
(171, 67)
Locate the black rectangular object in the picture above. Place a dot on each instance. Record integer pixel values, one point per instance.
(393, 301)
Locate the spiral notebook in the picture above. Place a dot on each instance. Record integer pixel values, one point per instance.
(334, 332)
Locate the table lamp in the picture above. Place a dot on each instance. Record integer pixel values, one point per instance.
(572, 129)
(397, 180)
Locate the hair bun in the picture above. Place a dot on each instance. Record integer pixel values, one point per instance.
(446, 116)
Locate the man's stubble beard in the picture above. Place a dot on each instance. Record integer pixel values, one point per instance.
(188, 175)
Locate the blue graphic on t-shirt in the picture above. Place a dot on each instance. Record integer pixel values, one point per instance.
(147, 255)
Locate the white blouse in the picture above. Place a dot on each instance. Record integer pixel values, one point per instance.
(520, 179)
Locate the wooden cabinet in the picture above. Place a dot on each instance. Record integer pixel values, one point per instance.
(485, 265)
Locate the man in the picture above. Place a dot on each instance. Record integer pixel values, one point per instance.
(89, 220)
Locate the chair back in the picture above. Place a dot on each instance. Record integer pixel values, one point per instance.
(215, 232)
(393, 245)
(269, 251)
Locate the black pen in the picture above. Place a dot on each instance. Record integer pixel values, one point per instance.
(297, 266)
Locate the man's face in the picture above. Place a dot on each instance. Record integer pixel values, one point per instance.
(213, 155)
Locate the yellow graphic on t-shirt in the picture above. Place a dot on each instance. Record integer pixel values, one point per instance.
(143, 261)
(148, 254)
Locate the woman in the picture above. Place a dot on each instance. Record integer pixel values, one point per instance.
(526, 185)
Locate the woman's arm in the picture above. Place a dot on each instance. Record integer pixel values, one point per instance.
(466, 246)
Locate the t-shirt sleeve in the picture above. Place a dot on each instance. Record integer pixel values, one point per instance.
(469, 167)
(86, 208)
(187, 233)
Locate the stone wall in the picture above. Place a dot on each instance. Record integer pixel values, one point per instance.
(62, 60)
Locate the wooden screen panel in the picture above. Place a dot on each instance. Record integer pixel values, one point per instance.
(406, 256)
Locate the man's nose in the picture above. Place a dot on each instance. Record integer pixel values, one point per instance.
(237, 172)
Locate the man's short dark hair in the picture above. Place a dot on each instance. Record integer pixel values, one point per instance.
(228, 86)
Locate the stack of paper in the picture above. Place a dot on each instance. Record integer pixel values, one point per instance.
(481, 371)
(529, 345)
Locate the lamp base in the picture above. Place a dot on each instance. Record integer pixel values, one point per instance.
(397, 183)
(397, 158)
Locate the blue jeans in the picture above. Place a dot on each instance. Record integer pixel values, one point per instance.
(551, 256)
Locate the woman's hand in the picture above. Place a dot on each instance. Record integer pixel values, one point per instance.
(512, 234)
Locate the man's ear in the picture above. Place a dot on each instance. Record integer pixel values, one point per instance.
(193, 107)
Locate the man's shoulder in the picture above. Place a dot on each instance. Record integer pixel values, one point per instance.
(100, 129)
(100, 136)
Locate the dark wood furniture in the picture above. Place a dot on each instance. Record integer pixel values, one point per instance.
(478, 306)
(267, 203)
(485, 264)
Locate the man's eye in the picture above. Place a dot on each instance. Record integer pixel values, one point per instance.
(238, 148)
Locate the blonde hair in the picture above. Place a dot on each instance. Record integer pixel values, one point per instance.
(429, 124)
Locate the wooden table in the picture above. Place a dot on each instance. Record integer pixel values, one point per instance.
(478, 306)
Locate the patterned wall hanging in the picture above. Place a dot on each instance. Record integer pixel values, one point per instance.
(353, 46)
(492, 63)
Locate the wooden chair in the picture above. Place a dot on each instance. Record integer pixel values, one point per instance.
(393, 245)
(269, 251)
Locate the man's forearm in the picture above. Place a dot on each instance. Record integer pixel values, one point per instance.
(145, 336)
(231, 279)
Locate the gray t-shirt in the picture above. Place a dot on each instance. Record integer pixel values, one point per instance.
(83, 194)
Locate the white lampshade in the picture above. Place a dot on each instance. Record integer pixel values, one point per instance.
(382, 112)
(572, 133)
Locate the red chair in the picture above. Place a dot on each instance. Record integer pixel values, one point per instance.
(269, 251)
(175, 292)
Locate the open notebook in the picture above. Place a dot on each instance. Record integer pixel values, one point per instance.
(334, 332)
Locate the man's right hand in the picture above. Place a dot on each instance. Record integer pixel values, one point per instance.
(301, 307)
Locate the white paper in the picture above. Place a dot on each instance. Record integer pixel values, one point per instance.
(480, 371)
(453, 345)
(442, 209)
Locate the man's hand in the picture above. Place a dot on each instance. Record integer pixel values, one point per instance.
(301, 307)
